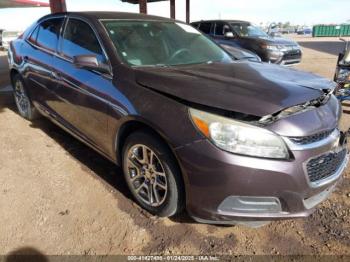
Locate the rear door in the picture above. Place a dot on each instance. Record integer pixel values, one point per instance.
(81, 94)
(218, 32)
(205, 27)
(39, 56)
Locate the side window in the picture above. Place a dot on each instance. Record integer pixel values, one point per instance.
(34, 35)
(227, 29)
(80, 39)
(219, 29)
(205, 27)
(47, 33)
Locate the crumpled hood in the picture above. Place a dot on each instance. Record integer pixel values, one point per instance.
(251, 88)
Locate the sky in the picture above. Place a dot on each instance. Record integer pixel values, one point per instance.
(302, 12)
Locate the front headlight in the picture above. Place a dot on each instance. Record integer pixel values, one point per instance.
(273, 47)
(238, 137)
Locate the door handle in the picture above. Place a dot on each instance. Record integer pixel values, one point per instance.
(55, 75)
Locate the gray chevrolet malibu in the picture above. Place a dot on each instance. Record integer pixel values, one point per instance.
(232, 141)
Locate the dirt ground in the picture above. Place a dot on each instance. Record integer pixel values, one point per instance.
(57, 196)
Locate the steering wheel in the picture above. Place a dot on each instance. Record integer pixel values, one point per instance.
(178, 52)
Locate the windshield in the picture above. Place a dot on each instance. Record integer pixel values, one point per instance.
(247, 29)
(156, 43)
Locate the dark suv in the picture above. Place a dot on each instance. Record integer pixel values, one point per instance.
(248, 36)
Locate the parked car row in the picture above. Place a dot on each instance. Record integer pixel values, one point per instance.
(304, 31)
(242, 34)
(231, 140)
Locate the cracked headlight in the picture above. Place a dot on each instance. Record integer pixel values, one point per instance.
(238, 137)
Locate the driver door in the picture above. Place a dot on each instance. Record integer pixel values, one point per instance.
(220, 30)
(81, 93)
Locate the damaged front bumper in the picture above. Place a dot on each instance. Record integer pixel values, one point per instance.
(232, 189)
(226, 188)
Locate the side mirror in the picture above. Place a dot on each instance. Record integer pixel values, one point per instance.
(90, 62)
(229, 35)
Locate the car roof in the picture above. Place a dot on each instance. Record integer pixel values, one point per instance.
(109, 15)
(219, 20)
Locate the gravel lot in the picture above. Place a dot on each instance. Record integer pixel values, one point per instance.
(59, 197)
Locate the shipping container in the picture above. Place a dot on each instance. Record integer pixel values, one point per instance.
(331, 30)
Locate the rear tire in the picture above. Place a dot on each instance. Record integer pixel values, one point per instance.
(152, 174)
(23, 102)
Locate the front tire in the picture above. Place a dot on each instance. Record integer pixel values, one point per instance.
(152, 174)
(23, 102)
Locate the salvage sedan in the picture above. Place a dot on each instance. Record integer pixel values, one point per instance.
(232, 141)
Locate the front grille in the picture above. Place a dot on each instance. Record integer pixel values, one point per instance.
(304, 140)
(324, 166)
(291, 62)
(293, 55)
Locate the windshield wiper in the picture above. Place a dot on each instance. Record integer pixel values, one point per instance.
(156, 65)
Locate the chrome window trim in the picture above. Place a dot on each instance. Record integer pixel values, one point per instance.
(40, 48)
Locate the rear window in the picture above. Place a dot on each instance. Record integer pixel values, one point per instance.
(47, 34)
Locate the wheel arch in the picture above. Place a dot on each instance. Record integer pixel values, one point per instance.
(135, 124)
(13, 73)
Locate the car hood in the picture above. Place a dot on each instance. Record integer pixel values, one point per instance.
(275, 40)
(240, 53)
(247, 87)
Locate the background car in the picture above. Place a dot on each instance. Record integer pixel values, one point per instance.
(304, 31)
(8, 36)
(243, 34)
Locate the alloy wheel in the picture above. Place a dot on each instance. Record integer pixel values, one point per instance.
(146, 175)
(21, 98)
